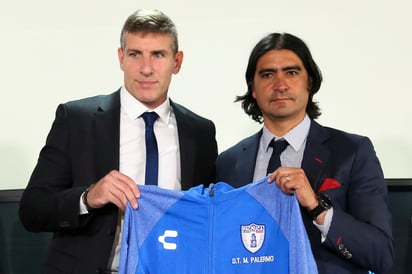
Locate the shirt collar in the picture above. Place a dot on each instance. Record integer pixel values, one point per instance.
(295, 137)
(134, 108)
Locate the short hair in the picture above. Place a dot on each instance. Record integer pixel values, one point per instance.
(150, 21)
(277, 41)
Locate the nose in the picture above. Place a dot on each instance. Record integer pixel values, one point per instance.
(146, 67)
(280, 83)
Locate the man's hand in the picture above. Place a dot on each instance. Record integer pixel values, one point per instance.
(294, 180)
(115, 188)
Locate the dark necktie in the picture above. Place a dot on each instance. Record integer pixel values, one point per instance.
(152, 155)
(278, 147)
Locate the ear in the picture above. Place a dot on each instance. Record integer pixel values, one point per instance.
(120, 55)
(252, 88)
(253, 94)
(310, 82)
(178, 62)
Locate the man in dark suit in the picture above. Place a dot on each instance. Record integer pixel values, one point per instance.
(335, 176)
(94, 156)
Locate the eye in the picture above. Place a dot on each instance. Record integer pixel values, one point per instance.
(133, 54)
(159, 54)
(292, 72)
(266, 75)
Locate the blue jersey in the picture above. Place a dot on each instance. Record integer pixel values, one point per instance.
(215, 230)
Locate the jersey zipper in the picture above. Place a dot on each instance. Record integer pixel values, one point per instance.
(211, 212)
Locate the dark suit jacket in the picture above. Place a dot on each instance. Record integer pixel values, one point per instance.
(82, 147)
(361, 227)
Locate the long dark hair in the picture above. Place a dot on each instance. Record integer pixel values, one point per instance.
(281, 41)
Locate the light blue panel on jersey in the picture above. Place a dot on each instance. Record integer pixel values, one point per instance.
(285, 211)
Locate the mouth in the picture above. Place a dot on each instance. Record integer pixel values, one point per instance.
(146, 84)
(280, 99)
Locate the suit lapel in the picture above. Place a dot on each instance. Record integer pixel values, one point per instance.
(107, 122)
(245, 165)
(316, 154)
(187, 144)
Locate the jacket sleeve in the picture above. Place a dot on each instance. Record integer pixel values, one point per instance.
(50, 202)
(362, 232)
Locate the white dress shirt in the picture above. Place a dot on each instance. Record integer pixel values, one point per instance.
(132, 142)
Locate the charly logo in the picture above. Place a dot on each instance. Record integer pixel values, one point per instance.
(163, 239)
(253, 236)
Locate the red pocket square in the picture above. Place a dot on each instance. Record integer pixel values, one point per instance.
(329, 183)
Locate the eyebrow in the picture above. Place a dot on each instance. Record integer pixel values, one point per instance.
(156, 51)
(294, 67)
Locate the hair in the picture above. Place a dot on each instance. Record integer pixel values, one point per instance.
(150, 21)
(277, 41)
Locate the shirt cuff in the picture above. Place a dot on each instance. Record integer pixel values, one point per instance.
(324, 229)
(82, 207)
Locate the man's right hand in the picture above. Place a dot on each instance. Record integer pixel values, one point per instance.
(115, 188)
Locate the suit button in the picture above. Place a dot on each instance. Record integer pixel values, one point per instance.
(347, 254)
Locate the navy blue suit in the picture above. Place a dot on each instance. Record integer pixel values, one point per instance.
(81, 148)
(360, 236)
